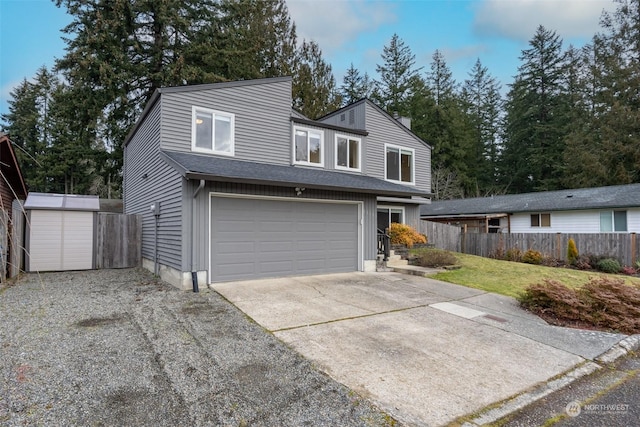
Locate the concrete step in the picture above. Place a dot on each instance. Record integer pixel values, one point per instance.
(414, 270)
(397, 262)
(394, 257)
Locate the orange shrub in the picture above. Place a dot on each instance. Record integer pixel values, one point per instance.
(402, 234)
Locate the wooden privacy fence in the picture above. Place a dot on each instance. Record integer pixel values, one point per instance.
(442, 236)
(118, 240)
(623, 247)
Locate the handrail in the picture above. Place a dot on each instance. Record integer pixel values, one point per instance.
(384, 244)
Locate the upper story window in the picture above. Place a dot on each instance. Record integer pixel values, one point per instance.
(613, 221)
(399, 164)
(541, 220)
(212, 131)
(348, 152)
(308, 146)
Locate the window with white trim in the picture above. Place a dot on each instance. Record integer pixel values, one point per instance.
(212, 131)
(613, 221)
(399, 164)
(308, 146)
(348, 152)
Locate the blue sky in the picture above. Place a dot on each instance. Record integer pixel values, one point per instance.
(349, 31)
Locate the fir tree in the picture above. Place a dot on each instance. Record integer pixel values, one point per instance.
(314, 87)
(535, 117)
(396, 73)
(355, 86)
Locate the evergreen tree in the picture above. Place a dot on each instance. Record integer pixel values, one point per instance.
(22, 125)
(253, 39)
(396, 73)
(617, 104)
(584, 156)
(314, 87)
(440, 79)
(535, 121)
(448, 128)
(482, 102)
(355, 86)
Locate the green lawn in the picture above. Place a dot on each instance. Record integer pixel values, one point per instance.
(511, 278)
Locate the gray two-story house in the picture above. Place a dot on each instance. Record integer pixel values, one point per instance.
(233, 184)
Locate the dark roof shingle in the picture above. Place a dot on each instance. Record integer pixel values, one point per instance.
(196, 166)
(617, 196)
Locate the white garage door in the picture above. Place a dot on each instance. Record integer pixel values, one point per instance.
(257, 238)
(60, 240)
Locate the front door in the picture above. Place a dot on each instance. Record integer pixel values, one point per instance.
(387, 215)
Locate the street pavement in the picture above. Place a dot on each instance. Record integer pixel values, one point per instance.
(607, 397)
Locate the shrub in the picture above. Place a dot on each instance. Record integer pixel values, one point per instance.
(572, 252)
(604, 302)
(583, 263)
(629, 271)
(402, 234)
(513, 254)
(434, 258)
(609, 265)
(553, 298)
(612, 304)
(550, 261)
(594, 260)
(498, 253)
(532, 257)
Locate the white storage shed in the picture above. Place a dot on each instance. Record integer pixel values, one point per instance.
(60, 232)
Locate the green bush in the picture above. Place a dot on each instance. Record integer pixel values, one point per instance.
(572, 252)
(609, 265)
(532, 257)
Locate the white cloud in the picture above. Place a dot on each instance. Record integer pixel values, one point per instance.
(335, 23)
(518, 19)
(5, 94)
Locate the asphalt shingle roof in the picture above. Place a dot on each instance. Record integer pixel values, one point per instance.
(196, 166)
(617, 196)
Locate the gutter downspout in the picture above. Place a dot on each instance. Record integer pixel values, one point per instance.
(194, 273)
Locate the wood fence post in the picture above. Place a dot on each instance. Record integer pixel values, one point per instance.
(463, 239)
(633, 249)
(559, 245)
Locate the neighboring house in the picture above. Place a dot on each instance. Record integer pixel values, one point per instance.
(587, 210)
(232, 184)
(12, 187)
(12, 184)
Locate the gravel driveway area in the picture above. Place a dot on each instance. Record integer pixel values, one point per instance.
(118, 347)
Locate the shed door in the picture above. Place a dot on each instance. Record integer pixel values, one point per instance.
(257, 238)
(60, 240)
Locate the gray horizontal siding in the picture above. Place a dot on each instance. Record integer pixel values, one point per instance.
(383, 130)
(162, 184)
(352, 117)
(202, 213)
(262, 119)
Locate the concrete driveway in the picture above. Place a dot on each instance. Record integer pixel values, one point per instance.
(425, 351)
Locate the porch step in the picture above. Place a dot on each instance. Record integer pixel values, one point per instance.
(414, 270)
(396, 261)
